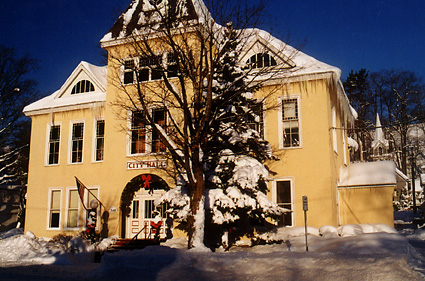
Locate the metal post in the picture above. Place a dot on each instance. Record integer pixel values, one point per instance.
(413, 164)
(305, 208)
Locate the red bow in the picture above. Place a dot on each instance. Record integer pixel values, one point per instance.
(147, 180)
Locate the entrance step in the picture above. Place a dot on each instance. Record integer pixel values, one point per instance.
(132, 244)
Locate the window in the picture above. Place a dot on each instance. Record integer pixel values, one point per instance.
(261, 60)
(54, 140)
(149, 208)
(73, 210)
(284, 200)
(256, 122)
(91, 196)
(128, 71)
(77, 143)
(290, 120)
(55, 208)
(135, 209)
(139, 133)
(100, 140)
(83, 86)
(159, 117)
(150, 68)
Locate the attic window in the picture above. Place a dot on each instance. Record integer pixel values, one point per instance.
(83, 86)
(261, 60)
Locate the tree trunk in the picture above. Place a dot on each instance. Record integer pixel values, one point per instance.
(196, 221)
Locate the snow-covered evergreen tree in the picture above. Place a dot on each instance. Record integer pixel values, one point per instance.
(235, 176)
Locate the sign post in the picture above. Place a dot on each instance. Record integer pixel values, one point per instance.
(305, 209)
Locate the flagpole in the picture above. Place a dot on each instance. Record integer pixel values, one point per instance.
(90, 193)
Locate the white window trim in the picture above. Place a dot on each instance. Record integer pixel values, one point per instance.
(46, 158)
(94, 140)
(98, 210)
(280, 123)
(71, 124)
(68, 189)
(49, 199)
(274, 194)
(148, 140)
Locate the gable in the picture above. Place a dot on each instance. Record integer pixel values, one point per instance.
(65, 99)
(144, 13)
(85, 79)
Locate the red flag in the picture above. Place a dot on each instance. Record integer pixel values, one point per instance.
(81, 187)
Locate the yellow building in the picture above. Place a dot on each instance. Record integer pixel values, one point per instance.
(76, 133)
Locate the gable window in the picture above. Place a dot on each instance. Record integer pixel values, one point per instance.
(73, 208)
(140, 134)
(77, 143)
(100, 140)
(290, 121)
(55, 208)
(284, 200)
(83, 86)
(54, 141)
(256, 122)
(261, 60)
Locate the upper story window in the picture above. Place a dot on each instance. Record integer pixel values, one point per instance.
(99, 140)
(143, 138)
(53, 146)
(255, 121)
(261, 60)
(291, 123)
(149, 69)
(83, 86)
(77, 142)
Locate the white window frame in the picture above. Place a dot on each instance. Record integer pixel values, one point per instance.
(274, 194)
(148, 136)
(68, 198)
(49, 207)
(49, 127)
(94, 145)
(280, 123)
(71, 128)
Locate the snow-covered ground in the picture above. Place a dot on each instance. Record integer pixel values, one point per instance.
(354, 252)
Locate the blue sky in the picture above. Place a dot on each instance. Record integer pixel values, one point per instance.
(347, 34)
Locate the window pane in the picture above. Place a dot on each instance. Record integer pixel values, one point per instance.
(144, 74)
(72, 218)
(55, 199)
(283, 189)
(289, 109)
(100, 132)
(149, 208)
(156, 74)
(54, 219)
(90, 196)
(159, 117)
(135, 209)
(73, 199)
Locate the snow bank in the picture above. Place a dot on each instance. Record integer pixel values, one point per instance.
(15, 247)
(285, 233)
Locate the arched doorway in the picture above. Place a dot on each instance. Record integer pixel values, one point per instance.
(138, 207)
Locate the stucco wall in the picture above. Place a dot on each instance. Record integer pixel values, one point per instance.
(366, 205)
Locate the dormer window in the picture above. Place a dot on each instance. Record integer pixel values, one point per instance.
(261, 60)
(83, 86)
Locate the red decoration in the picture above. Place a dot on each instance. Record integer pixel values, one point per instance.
(146, 179)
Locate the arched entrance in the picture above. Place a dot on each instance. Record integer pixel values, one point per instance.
(138, 207)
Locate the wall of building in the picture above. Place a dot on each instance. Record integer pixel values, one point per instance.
(367, 205)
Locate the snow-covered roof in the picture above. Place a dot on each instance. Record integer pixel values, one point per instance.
(62, 99)
(368, 174)
(142, 13)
